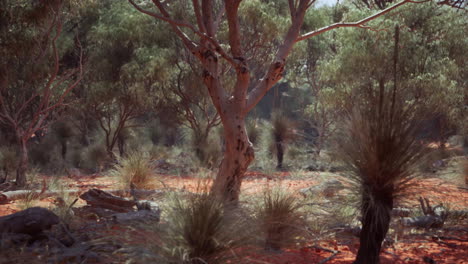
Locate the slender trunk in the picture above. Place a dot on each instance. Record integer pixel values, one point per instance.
(23, 164)
(238, 155)
(279, 154)
(63, 142)
(376, 215)
(121, 145)
(5, 178)
(85, 136)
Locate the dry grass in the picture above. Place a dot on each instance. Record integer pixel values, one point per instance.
(133, 171)
(279, 218)
(201, 230)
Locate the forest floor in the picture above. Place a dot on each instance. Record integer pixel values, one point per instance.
(444, 245)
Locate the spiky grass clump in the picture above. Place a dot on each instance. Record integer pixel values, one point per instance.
(202, 230)
(95, 157)
(8, 162)
(282, 134)
(279, 218)
(253, 131)
(133, 171)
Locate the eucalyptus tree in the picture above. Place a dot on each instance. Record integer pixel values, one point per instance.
(124, 84)
(34, 80)
(214, 33)
(191, 104)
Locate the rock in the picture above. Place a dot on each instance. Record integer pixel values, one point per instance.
(401, 212)
(142, 215)
(147, 205)
(332, 187)
(314, 167)
(31, 221)
(328, 188)
(74, 173)
(456, 141)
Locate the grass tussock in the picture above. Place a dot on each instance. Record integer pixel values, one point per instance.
(133, 171)
(279, 218)
(282, 133)
(201, 230)
(8, 162)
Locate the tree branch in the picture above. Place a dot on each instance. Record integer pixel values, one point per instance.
(361, 23)
(276, 69)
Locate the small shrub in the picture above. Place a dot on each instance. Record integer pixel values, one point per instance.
(202, 231)
(279, 218)
(253, 131)
(8, 162)
(207, 150)
(29, 201)
(134, 169)
(96, 157)
(63, 131)
(282, 134)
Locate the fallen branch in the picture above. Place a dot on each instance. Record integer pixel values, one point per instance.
(10, 196)
(102, 199)
(329, 258)
(334, 253)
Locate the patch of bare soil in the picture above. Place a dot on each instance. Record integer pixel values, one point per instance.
(445, 245)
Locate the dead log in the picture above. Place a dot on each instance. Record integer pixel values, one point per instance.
(401, 212)
(102, 199)
(424, 221)
(31, 221)
(10, 196)
(143, 215)
(434, 216)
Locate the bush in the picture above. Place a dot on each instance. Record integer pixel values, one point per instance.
(282, 134)
(279, 219)
(200, 230)
(96, 157)
(134, 169)
(8, 162)
(253, 131)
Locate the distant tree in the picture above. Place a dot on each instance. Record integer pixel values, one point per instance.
(34, 83)
(124, 84)
(184, 98)
(234, 96)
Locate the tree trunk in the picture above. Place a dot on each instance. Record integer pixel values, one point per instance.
(376, 215)
(238, 155)
(85, 135)
(63, 142)
(279, 154)
(121, 145)
(23, 164)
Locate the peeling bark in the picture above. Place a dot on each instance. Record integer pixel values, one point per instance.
(238, 155)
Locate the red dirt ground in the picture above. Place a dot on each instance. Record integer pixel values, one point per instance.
(453, 249)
